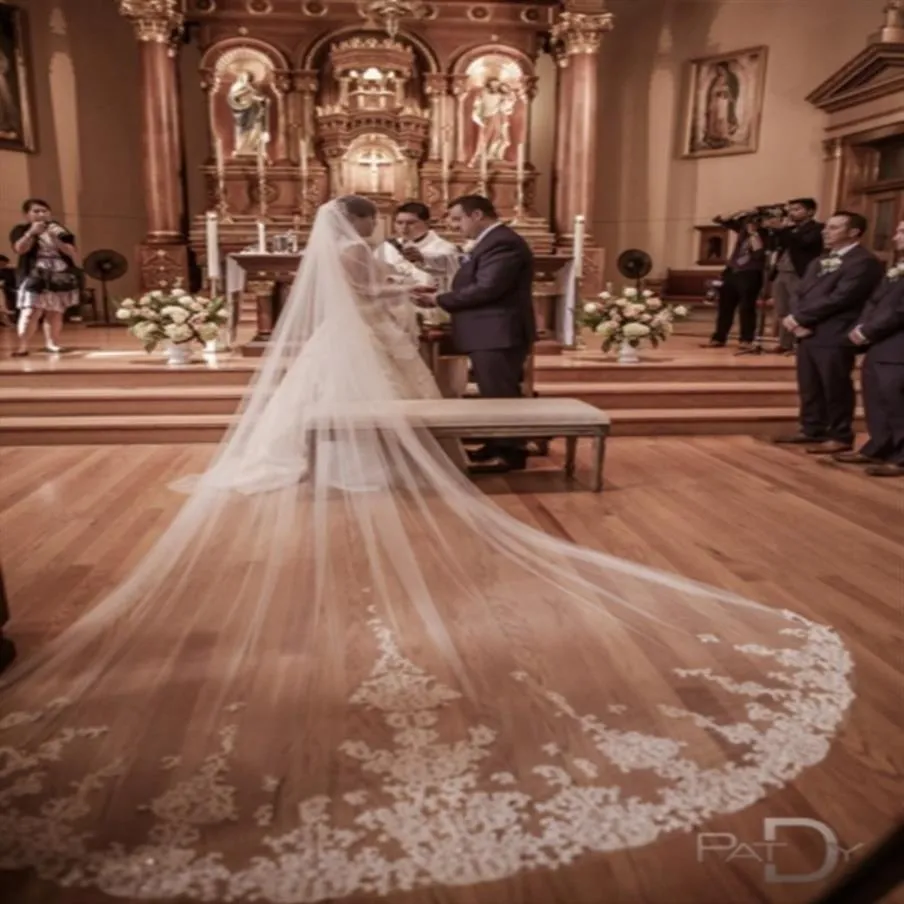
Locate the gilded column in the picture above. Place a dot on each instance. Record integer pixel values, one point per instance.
(577, 36)
(157, 24)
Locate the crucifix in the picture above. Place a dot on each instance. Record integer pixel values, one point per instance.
(373, 160)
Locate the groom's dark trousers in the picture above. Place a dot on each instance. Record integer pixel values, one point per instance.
(492, 312)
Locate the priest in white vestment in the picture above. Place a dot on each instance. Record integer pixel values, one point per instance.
(418, 253)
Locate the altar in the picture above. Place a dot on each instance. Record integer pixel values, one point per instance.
(392, 99)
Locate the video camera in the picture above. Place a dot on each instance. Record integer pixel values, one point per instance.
(763, 212)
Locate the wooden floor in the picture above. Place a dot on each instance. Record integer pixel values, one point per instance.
(771, 524)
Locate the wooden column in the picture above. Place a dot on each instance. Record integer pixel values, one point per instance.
(163, 256)
(577, 35)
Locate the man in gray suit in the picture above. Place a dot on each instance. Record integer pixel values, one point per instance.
(830, 300)
(492, 312)
(881, 332)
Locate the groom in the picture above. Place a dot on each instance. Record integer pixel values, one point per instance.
(492, 311)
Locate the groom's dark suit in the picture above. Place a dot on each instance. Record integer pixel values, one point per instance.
(492, 310)
(830, 299)
(883, 373)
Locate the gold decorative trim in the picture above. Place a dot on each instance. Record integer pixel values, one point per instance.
(581, 33)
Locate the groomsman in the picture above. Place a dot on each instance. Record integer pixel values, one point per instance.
(829, 303)
(881, 332)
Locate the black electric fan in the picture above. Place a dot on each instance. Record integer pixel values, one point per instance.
(105, 266)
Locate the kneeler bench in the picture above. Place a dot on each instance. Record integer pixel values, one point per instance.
(492, 419)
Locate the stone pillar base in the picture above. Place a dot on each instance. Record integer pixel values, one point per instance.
(161, 266)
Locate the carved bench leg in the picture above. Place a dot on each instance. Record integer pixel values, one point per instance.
(571, 449)
(599, 456)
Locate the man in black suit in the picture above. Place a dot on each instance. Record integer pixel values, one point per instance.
(798, 241)
(881, 332)
(828, 304)
(491, 306)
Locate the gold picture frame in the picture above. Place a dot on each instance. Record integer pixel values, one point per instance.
(725, 104)
(16, 115)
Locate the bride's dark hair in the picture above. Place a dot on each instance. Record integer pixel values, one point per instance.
(357, 206)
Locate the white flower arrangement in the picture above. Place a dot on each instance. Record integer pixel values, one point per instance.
(174, 315)
(632, 317)
(829, 264)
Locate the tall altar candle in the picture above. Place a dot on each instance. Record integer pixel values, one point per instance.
(212, 242)
(579, 246)
(261, 236)
(303, 158)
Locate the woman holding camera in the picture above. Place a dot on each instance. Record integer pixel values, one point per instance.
(48, 277)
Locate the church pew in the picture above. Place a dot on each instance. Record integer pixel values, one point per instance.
(459, 419)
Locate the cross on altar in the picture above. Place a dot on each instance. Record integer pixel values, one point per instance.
(374, 160)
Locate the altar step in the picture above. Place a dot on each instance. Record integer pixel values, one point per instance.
(210, 428)
(223, 399)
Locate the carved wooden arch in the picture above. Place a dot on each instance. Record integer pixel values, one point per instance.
(309, 56)
(211, 60)
(464, 58)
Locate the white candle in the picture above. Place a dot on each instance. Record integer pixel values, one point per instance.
(212, 236)
(579, 246)
(261, 236)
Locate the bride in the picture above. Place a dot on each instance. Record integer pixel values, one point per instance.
(342, 671)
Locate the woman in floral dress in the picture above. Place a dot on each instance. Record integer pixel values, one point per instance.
(48, 281)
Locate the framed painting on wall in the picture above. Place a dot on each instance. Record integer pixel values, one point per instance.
(16, 122)
(725, 104)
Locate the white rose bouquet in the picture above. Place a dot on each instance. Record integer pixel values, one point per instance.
(174, 315)
(632, 317)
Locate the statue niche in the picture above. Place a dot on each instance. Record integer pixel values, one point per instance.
(243, 99)
(372, 124)
(493, 110)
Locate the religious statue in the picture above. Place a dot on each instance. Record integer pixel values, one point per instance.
(492, 113)
(721, 108)
(250, 112)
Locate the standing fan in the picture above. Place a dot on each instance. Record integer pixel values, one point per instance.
(105, 266)
(635, 264)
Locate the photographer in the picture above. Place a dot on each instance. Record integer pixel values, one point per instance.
(742, 280)
(798, 240)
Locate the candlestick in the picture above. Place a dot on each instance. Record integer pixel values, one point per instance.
(303, 164)
(519, 176)
(262, 177)
(211, 232)
(578, 251)
(446, 162)
(261, 237)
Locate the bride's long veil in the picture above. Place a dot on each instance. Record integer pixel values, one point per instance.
(343, 670)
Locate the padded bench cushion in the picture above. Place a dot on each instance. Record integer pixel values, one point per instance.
(470, 414)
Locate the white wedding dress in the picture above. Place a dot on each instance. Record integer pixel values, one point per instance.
(363, 677)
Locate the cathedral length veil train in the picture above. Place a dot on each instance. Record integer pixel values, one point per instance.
(342, 670)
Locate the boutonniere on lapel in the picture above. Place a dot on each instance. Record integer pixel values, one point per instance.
(893, 274)
(829, 264)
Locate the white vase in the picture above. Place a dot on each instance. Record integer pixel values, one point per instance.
(178, 354)
(627, 354)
